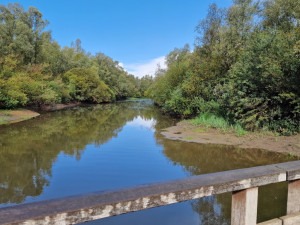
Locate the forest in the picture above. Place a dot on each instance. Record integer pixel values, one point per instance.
(35, 70)
(244, 67)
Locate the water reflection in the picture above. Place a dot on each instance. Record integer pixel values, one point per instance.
(29, 149)
(119, 145)
(199, 159)
(213, 210)
(143, 122)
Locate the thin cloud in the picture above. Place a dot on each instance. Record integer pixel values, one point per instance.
(145, 68)
(121, 65)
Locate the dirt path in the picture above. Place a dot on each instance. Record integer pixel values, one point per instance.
(14, 116)
(185, 131)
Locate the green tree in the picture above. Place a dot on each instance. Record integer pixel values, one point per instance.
(281, 14)
(85, 85)
(245, 67)
(35, 70)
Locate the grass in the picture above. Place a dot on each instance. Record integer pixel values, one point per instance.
(200, 130)
(4, 112)
(188, 138)
(212, 121)
(2, 121)
(135, 98)
(291, 155)
(132, 98)
(4, 115)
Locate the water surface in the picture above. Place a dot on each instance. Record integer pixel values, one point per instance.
(115, 146)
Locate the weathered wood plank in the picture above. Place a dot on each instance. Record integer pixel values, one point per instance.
(244, 207)
(272, 222)
(293, 203)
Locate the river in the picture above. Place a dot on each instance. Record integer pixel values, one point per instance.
(113, 146)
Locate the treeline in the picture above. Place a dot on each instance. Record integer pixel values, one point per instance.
(36, 70)
(245, 67)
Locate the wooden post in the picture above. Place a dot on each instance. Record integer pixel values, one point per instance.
(293, 204)
(244, 207)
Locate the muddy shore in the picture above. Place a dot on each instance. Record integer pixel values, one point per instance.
(19, 115)
(185, 131)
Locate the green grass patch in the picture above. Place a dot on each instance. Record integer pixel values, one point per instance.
(200, 130)
(4, 116)
(136, 98)
(2, 121)
(188, 138)
(4, 112)
(212, 121)
(132, 99)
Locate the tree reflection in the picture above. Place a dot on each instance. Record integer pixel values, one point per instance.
(28, 150)
(211, 212)
(199, 159)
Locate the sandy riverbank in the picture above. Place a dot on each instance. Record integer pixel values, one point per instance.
(17, 115)
(185, 131)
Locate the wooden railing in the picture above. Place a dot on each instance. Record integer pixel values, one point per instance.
(243, 184)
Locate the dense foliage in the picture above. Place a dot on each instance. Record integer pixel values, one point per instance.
(35, 70)
(245, 67)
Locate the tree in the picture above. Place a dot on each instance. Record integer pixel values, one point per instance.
(85, 85)
(245, 67)
(35, 70)
(283, 15)
(209, 29)
(121, 83)
(37, 25)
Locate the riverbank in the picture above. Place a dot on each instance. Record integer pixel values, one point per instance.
(15, 116)
(19, 115)
(186, 131)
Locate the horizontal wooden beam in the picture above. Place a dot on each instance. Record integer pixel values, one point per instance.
(77, 209)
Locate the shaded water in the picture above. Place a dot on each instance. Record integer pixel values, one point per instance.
(119, 145)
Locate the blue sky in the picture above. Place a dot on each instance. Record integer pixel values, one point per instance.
(137, 33)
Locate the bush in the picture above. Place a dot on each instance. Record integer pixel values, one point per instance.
(85, 85)
(286, 126)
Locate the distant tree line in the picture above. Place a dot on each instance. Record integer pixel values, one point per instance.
(245, 67)
(36, 70)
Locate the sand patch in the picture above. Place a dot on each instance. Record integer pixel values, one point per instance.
(14, 116)
(185, 131)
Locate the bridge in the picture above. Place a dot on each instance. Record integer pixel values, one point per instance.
(242, 183)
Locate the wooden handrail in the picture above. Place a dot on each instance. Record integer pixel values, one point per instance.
(243, 183)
